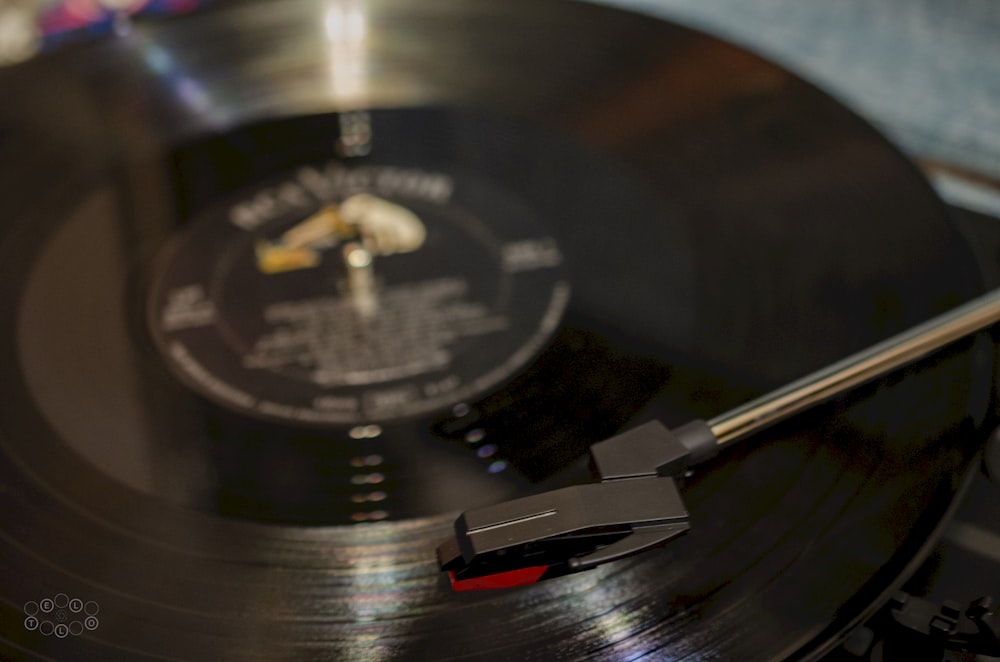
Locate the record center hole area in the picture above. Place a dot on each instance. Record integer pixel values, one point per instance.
(184, 430)
(293, 344)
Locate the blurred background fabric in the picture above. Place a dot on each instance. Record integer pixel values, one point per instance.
(927, 72)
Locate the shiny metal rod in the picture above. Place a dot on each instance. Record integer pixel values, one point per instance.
(840, 377)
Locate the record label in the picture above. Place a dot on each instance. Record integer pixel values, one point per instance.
(348, 295)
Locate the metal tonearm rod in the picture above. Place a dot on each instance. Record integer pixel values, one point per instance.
(636, 505)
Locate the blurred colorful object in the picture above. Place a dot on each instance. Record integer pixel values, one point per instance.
(30, 26)
(94, 17)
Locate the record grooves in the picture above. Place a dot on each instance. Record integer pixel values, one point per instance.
(288, 290)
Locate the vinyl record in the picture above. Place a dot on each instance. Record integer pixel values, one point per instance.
(287, 286)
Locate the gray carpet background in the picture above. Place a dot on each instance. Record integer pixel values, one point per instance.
(926, 72)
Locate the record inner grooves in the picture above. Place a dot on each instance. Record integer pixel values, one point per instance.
(331, 392)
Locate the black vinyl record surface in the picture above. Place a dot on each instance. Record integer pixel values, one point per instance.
(233, 428)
